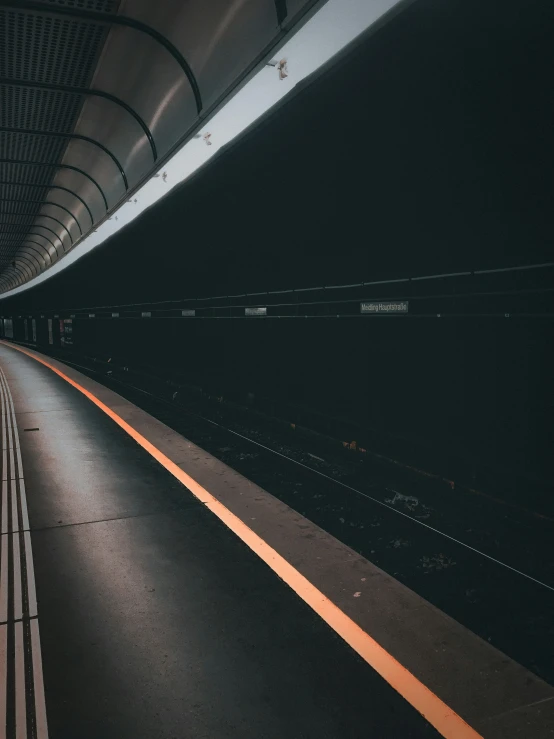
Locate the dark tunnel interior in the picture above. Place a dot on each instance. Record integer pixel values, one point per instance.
(296, 418)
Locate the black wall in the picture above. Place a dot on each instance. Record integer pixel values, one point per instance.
(474, 389)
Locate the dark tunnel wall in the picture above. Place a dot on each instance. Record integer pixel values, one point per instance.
(480, 386)
(472, 389)
(427, 150)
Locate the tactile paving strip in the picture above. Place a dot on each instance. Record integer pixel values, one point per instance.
(22, 706)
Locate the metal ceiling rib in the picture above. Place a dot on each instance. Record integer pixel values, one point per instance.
(93, 93)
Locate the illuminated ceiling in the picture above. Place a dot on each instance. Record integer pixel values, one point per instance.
(96, 94)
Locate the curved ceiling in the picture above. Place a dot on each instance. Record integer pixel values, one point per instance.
(94, 94)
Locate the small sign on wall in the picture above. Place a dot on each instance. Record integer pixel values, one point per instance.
(255, 311)
(66, 332)
(385, 306)
(50, 332)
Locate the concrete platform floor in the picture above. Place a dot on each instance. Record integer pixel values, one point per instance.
(157, 620)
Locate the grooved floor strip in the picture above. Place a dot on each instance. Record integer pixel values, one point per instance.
(22, 703)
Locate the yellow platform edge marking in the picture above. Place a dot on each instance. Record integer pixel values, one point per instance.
(443, 718)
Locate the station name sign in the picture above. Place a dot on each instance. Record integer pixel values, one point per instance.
(255, 311)
(385, 306)
(188, 312)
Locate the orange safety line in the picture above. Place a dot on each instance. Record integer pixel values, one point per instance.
(446, 721)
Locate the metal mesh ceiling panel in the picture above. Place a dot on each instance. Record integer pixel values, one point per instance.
(51, 51)
(102, 6)
(31, 148)
(13, 207)
(25, 173)
(7, 222)
(23, 193)
(37, 110)
(45, 49)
